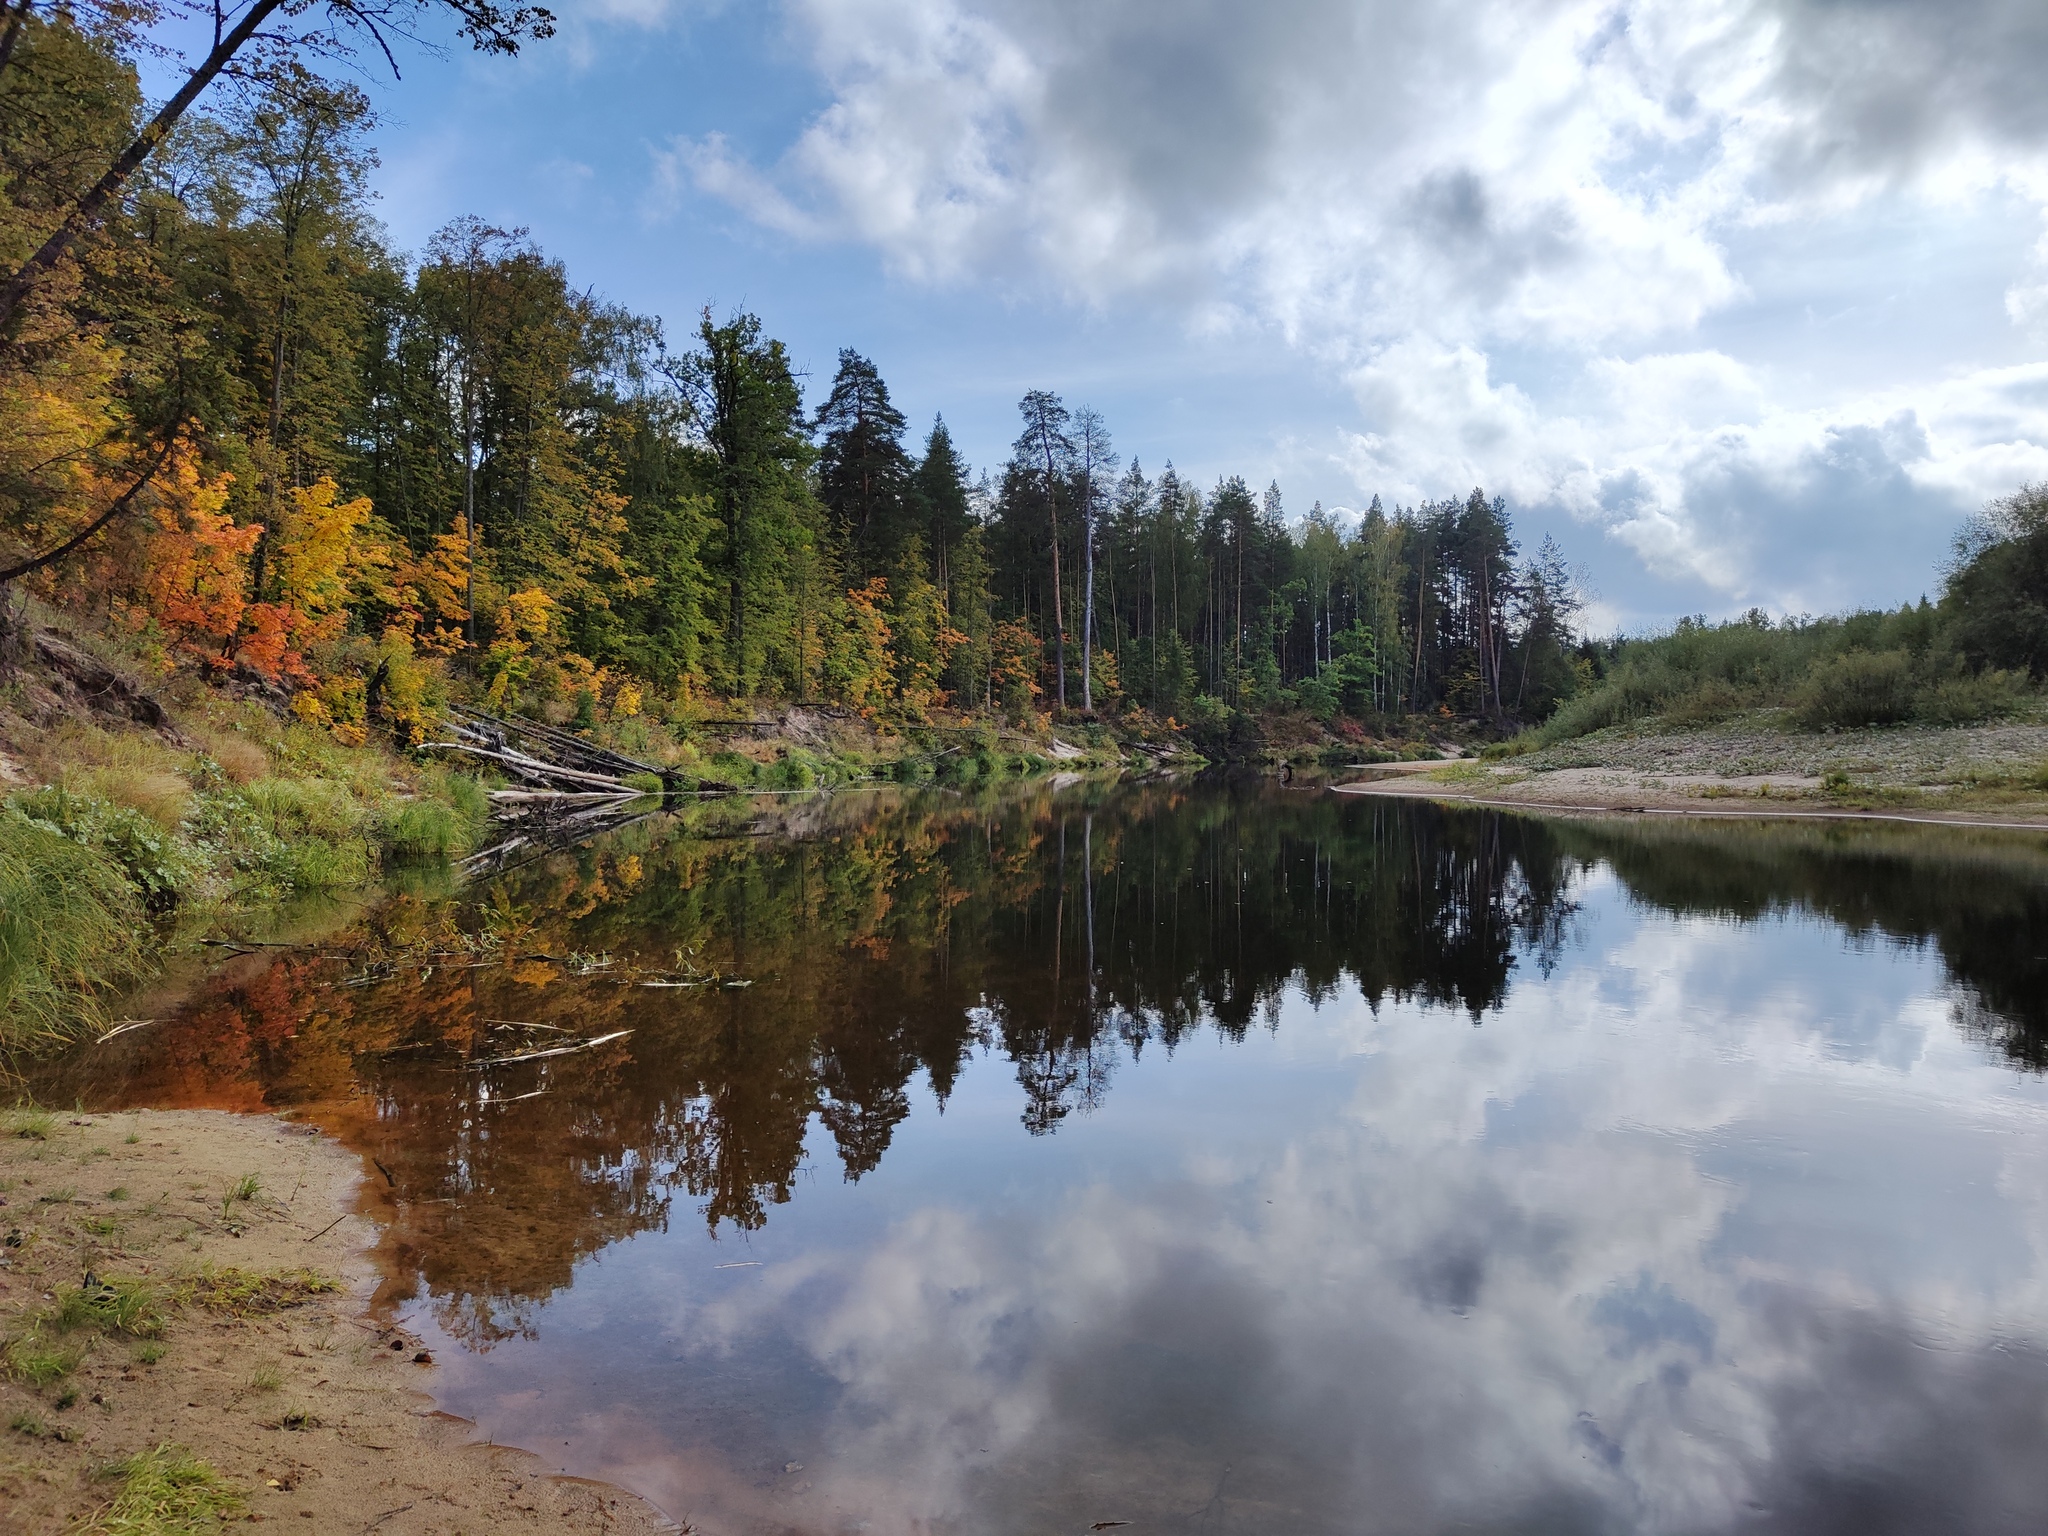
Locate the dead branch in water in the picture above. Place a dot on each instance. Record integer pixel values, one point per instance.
(560, 1050)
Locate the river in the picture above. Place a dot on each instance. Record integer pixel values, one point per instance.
(1208, 1156)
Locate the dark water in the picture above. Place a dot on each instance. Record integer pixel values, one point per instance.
(1214, 1158)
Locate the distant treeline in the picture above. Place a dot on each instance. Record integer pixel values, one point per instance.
(1976, 655)
(297, 454)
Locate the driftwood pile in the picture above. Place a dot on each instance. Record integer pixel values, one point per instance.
(549, 764)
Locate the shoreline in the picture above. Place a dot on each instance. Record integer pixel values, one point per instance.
(1649, 798)
(204, 1280)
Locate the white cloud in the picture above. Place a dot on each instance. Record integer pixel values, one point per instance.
(1504, 223)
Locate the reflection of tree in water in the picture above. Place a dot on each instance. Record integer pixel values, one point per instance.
(887, 937)
(1980, 898)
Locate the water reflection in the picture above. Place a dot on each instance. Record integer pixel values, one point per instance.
(1216, 1157)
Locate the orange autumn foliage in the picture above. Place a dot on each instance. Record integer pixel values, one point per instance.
(193, 584)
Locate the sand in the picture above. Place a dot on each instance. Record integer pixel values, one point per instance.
(1589, 790)
(317, 1413)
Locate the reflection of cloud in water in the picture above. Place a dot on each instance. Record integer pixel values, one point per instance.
(1490, 1294)
(1604, 1175)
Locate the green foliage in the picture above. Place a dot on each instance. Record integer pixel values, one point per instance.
(152, 860)
(730, 767)
(1858, 688)
(1996, 598)
(795, 769)
(1865, 669)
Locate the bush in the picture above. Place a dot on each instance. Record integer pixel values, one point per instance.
(1860, 688)
(70, 926)
(150, 858)
(795, 769)
(731, 767)
(1973, 700)
(1318, 696)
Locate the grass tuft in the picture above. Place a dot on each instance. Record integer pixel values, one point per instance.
(242, 1293)
(131, 1308)
(31, 1121)
(166, 1492)
(70, 928)
(37, 1361)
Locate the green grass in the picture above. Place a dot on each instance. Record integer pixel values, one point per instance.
(71, 927)
(130, 1308)
(266, 1378)
(428, 829)
(91, 886)
(30, 1121)
(50, 1348)
(37, 1361)
(166, 1492)
(149, 1352)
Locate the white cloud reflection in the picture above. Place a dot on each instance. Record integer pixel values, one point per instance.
(1709, 1230)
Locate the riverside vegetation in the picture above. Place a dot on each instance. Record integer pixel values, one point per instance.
(312, 489)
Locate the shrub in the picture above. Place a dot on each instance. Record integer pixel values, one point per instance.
(1859, 688)
(150, 858)
(1973, 700)
(731, 767)
(795, 769)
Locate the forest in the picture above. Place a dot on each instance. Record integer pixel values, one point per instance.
(244, 434)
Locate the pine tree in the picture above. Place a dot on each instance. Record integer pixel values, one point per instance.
(863, 472)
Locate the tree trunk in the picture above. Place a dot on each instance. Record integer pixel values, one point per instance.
(88, 207)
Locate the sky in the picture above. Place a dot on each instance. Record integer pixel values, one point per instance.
(1743, 301)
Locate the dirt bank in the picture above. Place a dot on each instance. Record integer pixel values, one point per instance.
(196, 1279)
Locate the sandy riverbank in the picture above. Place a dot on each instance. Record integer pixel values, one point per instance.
(233, 1323)
(1593, 790)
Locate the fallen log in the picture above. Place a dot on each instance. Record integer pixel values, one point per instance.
(531, 767)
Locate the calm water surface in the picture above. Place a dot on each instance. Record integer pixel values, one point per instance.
(1215, 1158)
